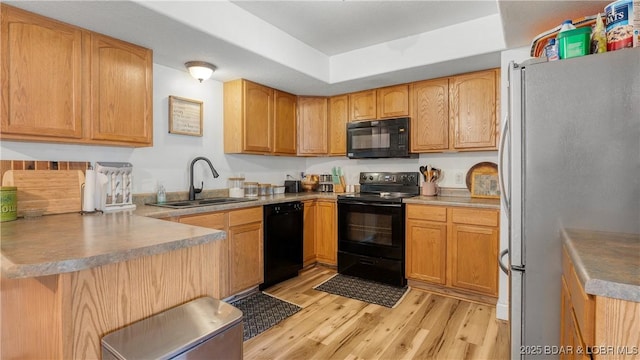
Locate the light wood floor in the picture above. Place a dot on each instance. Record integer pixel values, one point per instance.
(422, 326)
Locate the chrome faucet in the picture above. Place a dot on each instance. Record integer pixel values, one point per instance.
(193, 190)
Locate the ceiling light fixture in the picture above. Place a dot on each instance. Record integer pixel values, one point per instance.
(200, 70)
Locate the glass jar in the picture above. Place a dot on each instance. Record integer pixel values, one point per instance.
(264, 189)
(236, 187)
(251, 189)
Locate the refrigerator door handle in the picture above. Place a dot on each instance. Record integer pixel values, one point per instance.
(503, 267)
(501, 150)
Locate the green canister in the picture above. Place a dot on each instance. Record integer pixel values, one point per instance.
(8, 203)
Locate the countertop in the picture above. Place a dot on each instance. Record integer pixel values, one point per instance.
(455, 201)
(55, 244)
(607, 263)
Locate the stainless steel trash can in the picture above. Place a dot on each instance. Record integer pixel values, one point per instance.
(204, 328)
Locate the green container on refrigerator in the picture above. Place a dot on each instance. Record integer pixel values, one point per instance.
(574, 43)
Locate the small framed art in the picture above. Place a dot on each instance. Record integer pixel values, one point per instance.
(484, 184)
(185, 116)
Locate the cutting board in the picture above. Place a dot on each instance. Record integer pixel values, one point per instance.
(56, 192)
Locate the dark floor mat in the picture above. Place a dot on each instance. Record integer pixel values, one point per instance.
(364, 290)
(262, 311)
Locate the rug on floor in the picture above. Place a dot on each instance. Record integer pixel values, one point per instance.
(261, 311)
(364, 290)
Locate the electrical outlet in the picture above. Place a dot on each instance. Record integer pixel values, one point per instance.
(459, 177)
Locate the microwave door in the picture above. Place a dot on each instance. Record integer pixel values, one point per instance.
(370, 141)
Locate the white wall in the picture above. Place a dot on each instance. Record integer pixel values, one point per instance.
(168, 160)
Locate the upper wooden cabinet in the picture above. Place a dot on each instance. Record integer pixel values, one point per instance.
(362, 105)
(473, 120)
(284, 123)
(121, 91)
(64, 84)
(338, 118)
(387, 102)
(248, 117)
(430, 116)
(313, 135)
(457, 113)
(393, 101)
(258, 119)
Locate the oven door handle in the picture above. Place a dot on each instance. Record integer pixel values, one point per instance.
(349, 202)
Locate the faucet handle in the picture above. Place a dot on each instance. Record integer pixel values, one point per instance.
(198, 191)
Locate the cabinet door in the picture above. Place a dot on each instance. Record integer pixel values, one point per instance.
(245, 257)
(42, 76)
(362, 105)
(338, 118)
(326, 235)
(393, 101)
(472, 110)
(473, 253)
(309, 242)
(121, 91)
(430, 116)
(284, 123)
(312, 126)
(258, 118)
(426, 251)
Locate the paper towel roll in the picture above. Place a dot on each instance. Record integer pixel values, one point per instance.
(88, 201)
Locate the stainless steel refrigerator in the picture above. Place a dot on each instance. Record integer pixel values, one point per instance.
(570, 158)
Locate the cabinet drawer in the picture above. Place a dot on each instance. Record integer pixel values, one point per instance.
(421, 212)
(583, 304)
(211, 220)
(245, 216)
(475, 216)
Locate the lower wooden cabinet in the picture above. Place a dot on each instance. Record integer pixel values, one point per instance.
(327, 232)
(320, 232)
(309, 236)
(453, 247)
(239, 264)
(246, 267)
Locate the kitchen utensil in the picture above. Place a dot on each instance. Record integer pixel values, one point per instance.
(55, 192)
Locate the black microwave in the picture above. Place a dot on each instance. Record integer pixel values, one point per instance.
(379, 139)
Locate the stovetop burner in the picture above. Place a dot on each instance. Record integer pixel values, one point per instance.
(388, 187)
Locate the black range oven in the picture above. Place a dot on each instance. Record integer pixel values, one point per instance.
(371, 227)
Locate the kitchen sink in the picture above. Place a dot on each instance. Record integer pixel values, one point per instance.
(181, 204)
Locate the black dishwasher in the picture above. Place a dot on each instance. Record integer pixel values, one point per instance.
(283, 231)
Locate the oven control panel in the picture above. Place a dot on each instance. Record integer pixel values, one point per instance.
(390, 178)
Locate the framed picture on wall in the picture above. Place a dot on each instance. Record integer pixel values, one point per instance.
(185, 116)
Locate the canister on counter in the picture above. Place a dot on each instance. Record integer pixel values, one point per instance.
(8, 203)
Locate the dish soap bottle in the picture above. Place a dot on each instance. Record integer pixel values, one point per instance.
(161, 197)
(551, 50)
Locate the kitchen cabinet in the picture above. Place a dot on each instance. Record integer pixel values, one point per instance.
(258, 119)
(248, 117)
(473, 118)
(430, 116)
(326, 232)
(393, 101)
(362, 105)
(453, 248)
(458, 113)
(338, 118)
(102, 86)
(313, 135)
(284, 123)
(239, 264)
(381, 103)
(121, 91)
(309, 235)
